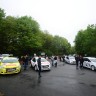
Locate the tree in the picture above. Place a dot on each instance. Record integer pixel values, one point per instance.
(2, 14)
(85, 41)
(21, 35)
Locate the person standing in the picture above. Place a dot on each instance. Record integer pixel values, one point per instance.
(39, 66)
(25, 60)
(52, 60)
(63, 57)
(81, 61)
(55, 61)
(77, 60)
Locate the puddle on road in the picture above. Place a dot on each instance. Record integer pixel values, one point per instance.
(82, 83)
(93, 85)
(2, 94)
(26, 77)
(35, 83)
(81, 73)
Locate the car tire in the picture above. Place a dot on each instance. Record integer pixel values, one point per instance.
(92, 67)
(35, 67)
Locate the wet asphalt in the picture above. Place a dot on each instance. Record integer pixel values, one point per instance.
(65, 80)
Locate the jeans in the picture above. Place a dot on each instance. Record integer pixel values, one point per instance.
(25, 65)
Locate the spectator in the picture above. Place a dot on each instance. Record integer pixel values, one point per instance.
(77, 60)
(55, 61)
(25, 62)
(39, 66)
(81, 61)
(52, 60)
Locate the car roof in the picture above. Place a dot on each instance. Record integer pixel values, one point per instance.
(90, 57)
(10, 58)
(38, 57)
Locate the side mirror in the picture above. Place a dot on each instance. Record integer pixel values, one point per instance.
(89, 61)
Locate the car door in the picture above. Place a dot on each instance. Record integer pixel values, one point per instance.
(67, 58)
(86, 63)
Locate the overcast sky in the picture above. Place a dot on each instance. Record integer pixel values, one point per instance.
(59, 17)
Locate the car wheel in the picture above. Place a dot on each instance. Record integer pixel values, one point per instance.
(92, 67)
(35, 68)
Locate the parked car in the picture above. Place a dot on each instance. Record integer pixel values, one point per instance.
(9, 65)
(1, 58)
(45, 64)
(70, 59)
(90, 62)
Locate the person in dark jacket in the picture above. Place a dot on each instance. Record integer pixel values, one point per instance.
(81, 61)
(25, 62)
(77, 60)
(39, 66)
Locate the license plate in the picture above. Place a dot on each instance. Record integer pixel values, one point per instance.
(11, 69)
(45, 66)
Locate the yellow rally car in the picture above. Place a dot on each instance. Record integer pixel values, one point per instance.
(9, 65)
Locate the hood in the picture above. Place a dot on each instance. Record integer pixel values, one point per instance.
(10, 65)
(72, 59)
(45, 63)
(93, 63)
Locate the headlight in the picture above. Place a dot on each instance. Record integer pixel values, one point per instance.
(2, 66)
(18, 66)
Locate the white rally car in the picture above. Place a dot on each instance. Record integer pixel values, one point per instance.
(90, 62)
(45, 64)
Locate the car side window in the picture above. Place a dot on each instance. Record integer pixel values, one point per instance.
(86, 59)
(67, 57)
(34, 59)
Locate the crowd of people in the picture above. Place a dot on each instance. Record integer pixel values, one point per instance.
(25, 61)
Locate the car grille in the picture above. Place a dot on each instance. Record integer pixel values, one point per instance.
(45, 66)
(10, 69)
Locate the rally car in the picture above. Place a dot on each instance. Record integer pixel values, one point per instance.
(9, 65)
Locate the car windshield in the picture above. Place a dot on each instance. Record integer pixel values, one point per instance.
(10, 60)
(71, 57)
(43, 60)
(93, 59)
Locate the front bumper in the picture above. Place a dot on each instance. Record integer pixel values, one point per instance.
(10, 70)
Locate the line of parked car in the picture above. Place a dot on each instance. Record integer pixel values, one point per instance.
(11, 65)
(89, 62)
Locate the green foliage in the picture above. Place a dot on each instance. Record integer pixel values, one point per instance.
(20, 35)
(2, 14)
(85, 41)
(60, 45)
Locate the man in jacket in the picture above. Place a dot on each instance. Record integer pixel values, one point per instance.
(39, 66)
(25, 60)
(81, 61)
(77, 60)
